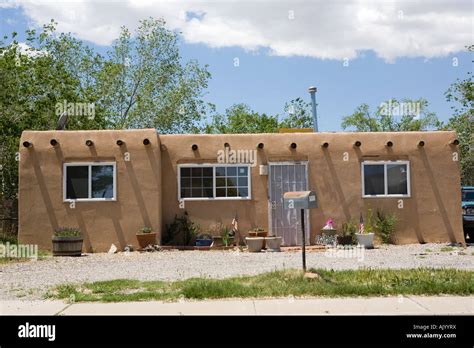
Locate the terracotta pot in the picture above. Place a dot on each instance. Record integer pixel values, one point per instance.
(259, 234)
(145, 239)
(273, 243)
(365, 239)
(67, 246)
(254, 244)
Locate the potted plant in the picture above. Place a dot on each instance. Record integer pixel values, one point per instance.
(146, 237)
(204, 240)
(254, 244)
(349, 228)
(365, 237)
(273, 243)
(67, 241)
(260, 233)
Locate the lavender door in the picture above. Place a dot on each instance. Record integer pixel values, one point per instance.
(286, 223)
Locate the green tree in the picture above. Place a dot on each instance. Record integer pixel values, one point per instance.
(240, 118)
(145, 84)
(298, 114)
(461, 93)
(34, 77)
(393, 116)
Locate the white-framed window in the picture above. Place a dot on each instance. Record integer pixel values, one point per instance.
(89, 181)
(385, 179)
(214, 181)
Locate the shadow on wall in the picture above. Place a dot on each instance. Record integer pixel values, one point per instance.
(414, 207)
(336, 184)
(136, 189)
(44, 191)
(439, 200)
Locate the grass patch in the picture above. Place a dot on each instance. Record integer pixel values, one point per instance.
(446, 249)
(364, 282)
(428, 250)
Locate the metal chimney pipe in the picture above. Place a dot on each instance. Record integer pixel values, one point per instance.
(312, 90)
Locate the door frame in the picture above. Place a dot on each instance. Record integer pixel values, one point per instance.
(269, 203)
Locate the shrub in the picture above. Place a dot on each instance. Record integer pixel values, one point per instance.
(67, 232)
(183, 227)
(385, 226)
(226, 236)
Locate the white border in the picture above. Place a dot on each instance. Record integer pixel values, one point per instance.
(386, 195)
(90, 164)
(213, 166)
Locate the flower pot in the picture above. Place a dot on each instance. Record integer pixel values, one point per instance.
(344, 240)
(67, 246)
(365, 239)
(273, 243)
(258, 234)
(203, 242)
(254, 244)
(145, 239)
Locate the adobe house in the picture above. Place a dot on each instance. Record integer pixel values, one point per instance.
(110, 183)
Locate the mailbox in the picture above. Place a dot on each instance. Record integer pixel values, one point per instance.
(300, 200)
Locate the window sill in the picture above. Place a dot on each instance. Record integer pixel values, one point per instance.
(217, 199)
(90, 200)
(387, 196)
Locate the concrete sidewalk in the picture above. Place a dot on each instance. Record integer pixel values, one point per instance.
(397, 305)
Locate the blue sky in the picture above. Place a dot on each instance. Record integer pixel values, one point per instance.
(275, 69)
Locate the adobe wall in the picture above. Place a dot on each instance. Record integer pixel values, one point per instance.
(147, 184)
(41, 206)
(431, 214)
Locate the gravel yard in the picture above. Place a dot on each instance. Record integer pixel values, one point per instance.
(32, 279)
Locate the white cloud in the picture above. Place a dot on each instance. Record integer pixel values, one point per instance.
(322, 29)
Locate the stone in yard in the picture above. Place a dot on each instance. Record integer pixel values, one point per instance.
(310, 275)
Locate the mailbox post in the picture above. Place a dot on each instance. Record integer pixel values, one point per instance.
(301, 200)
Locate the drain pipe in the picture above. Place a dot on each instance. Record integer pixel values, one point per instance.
(312, 91)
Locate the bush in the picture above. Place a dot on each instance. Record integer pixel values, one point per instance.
(181, 227)
(5, 238)
(67, 232)
(385, 226)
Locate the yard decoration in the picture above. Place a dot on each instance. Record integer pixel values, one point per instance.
(328, 234)
(67, 241)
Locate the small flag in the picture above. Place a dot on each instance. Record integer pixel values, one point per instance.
(235, 224)
(361, 224)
